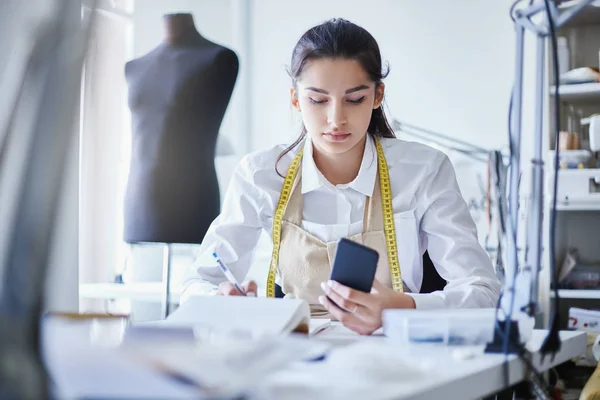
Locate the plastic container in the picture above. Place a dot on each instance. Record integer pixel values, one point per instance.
(583, 277)
(571, 158)
(446, 327)
(449, 326)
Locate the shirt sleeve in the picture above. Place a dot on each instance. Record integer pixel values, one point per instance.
(452, 243)
(233, 235)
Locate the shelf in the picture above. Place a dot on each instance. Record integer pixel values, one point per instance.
(574, 189)
(577, 293)
(579, 92)
(589, 16)
(578, 207)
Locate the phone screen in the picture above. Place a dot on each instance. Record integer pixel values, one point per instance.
(354, 265)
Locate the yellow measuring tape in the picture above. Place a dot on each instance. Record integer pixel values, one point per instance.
(388, 220)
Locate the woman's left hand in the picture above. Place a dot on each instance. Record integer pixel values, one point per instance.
(362, 310)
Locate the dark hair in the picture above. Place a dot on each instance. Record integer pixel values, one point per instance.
(339, 38)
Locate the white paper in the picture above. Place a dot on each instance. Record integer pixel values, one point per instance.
(80, 369)
(234, 367)
(256, 315)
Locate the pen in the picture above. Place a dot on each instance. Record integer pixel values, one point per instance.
(228, 274)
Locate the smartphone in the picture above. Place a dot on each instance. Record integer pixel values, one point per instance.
(354, 265)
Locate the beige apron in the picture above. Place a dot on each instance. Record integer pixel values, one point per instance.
(305, 261)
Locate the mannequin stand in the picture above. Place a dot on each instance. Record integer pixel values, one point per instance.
(166, 280)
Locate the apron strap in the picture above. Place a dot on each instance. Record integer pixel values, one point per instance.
(373, 217)
(294, 208)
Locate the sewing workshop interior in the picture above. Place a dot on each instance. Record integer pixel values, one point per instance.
(267, 199)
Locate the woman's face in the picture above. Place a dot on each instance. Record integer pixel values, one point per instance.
(336, 99)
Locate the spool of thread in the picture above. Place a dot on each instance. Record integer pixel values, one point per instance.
(568, 141)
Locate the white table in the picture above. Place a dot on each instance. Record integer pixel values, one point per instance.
(375, 370)
(357, 367)
(141, 291)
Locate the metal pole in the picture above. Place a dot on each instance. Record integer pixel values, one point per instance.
(534, 223)
(166, 303)
(400, 125)
(508, 298)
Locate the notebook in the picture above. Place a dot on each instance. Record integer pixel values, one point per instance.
(255, 315)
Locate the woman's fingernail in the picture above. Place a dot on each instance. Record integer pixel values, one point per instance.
(330, 283)
(322, 300)
(250, 294)
(323, 286)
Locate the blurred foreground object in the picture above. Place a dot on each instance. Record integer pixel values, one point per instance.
(43, 44)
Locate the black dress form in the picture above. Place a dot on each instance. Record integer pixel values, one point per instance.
(178, 94)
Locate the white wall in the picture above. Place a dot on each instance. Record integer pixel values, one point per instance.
(213, 20)
(451, 62)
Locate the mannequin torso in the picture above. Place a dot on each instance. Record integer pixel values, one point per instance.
(178, 94)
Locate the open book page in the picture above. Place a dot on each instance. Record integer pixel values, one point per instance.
(257, 315)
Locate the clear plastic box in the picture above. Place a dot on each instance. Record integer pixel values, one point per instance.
(583, 277)
(446, 327)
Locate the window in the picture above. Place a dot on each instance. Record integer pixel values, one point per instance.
(104, 149)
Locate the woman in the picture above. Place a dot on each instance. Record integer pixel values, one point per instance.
(347, 176)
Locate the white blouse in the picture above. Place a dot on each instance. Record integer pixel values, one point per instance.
(429, 214)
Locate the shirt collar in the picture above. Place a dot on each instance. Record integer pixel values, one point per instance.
(364, 182)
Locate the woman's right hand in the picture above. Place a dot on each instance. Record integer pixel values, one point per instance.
(228, 289)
